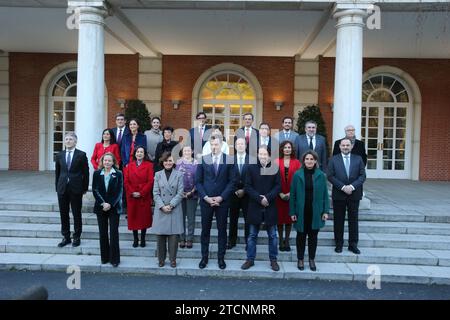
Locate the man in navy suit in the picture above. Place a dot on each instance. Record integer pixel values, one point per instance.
(250, 134)
(358, 147)
(199, 134)
(215, 182)
(239, 199)
(347, 174)
(71, 182)
(121, 129)
(312, 141)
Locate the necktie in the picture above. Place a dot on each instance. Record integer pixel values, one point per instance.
(68, 160)
(247, 135)
(216, 164)
(286, 136)
(347, 165)
(310, 143)
(240, 165)
(200, 129)
(119, 137)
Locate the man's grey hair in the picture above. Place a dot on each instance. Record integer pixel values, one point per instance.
(349, 126)
(71, 134)
(310, 122)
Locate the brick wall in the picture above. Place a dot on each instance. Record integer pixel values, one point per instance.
(432, 77)
(180, 73)
(27, 70)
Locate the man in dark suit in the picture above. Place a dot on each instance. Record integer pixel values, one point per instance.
(215, 182)
(358, 147)
(250, 135)
(263, 184)
(121, 129)
(239, 199)
(199, 134)
(71, 182)
(347, 173)
(312, 141)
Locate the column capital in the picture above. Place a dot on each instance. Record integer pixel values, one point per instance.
(349, 16)
(97, 7)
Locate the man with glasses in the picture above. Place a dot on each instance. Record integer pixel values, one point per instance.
(199, 134)
(358, 146)
(312, 141)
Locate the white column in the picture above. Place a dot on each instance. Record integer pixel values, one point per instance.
(90, 114)
(348, 71)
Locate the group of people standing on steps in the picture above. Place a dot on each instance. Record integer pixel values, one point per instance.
(277, 182)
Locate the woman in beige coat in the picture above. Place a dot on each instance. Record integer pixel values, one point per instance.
(168, 191)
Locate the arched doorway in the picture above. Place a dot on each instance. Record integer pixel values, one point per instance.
(225, 92)
(57, 107)
(62, 103)
(386, 126)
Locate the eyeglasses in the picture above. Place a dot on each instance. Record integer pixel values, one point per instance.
(350, 130)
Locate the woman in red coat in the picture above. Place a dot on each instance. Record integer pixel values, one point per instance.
(288, 166)
(138, 187)
(108, 144)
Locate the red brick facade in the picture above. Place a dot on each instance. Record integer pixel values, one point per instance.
(27, 71)
(180, 73)
(432, 77)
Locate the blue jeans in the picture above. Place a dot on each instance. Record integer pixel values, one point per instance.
(252, 238)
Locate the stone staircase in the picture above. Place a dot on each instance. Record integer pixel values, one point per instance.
(406, 246)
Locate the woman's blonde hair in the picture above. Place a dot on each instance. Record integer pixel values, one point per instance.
(100, 165)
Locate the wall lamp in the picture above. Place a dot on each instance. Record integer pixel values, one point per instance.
(121, 102)
(278, 105)
(176, 104)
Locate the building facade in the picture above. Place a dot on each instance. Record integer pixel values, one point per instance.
(397, 98)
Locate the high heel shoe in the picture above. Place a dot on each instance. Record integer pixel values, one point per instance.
(301, 265)
(312, 265)
(173, 263)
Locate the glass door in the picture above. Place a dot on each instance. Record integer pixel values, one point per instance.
(384, 131)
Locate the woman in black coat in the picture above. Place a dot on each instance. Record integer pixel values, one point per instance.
(107, 186)
(262, 184)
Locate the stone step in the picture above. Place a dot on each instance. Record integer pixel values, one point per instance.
(324, 253)
(364, 226)
(189, 267)
(384, 240)
(364, 215)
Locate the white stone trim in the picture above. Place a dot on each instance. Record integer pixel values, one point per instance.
(306, 85)
(416, 101)
(4, 111)
(150, 84)
(228, 67)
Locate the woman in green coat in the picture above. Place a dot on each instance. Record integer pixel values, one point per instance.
(308, 206)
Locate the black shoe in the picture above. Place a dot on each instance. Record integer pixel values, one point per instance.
(287, 248)
(76, 242)
(115, 265)
(105, 261)
(312, 265)
(338, 250)
(135, 243)
(203, 263)
(222, 264)
(301, 264)
(64, 242)
(142, 243)
(354, 249)
(281, 248)
(231, 245)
